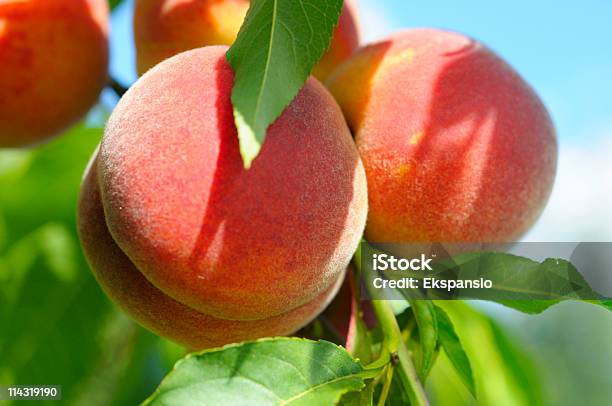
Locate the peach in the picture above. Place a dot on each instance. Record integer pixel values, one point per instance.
(457, 147)
(344, 42)
(163, 28)
(247, 252)
(158, 312)
(53, 65)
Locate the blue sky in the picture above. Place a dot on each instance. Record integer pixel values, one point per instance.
(562, 48)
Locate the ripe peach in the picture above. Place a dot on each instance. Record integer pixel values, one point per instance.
(53, 65)
(158, 312)
(235, 247)
(457, 147)
(344, 43)
(163, 28)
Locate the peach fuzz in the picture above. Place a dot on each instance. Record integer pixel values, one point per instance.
(457, 147)
(53, 65)
(232, 244)
(153, 309)
(163, 28)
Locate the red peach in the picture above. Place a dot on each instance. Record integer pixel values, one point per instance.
(158, 312)
(230, 243)
(53, 65)
(457, 147)
(164, 28)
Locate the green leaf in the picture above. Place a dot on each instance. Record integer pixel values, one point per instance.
(605, 303)
(537, 286)
(529, 306)
(454, 350)
(425, 315)
(280, 371)
(397, 394)
(277, 46)
(51, 308)
(363, 398)
(520, 283)
(503, 372)
(56, 324)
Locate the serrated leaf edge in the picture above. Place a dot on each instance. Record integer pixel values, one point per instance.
(186, 358)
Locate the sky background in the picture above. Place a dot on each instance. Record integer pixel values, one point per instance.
(562, 48)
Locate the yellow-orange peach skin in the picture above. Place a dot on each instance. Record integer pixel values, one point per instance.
(169, 207)
(163, 28)
(457, 147)
(53, 65)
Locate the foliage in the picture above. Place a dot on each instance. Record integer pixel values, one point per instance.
(86, 346)
(99, 357)
(56, 326)
(272, 57)
(520, 283)
(287, 371)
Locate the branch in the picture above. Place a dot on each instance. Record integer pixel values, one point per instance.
(394, 349)
(117, 87)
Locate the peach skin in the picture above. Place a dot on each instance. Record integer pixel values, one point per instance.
(457, 147)
(53, 65)
(156, 311)
(269, 244)
(163, 28)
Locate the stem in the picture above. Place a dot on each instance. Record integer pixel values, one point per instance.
(387, 386)
(117, 87)
(394, 345)
(394, 348)
(408, 328)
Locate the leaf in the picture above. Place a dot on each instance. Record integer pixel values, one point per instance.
(521, 283)
(425, 315)
(454, 350)
(51, 308)
(56, 325)
(397, 394)
(529, 306)
(363, 398)
(277, 46)
(516, 360)
(536, 286)
(280, 371)
(503, 372)
(605, 303)
(517, 278)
